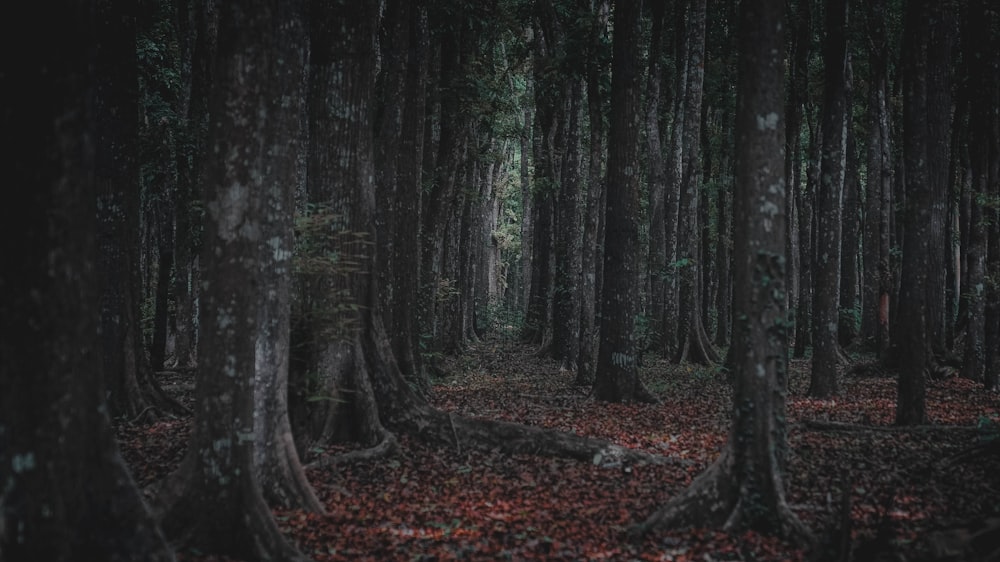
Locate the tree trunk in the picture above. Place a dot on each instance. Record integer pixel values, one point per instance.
(940, 102)
(657, 261)
(213, 502)
(197, 32)
(991, 330)
(912, 347)
(568, 238)
(670, 343)
(617, 377)
(437, 203)
(979, 76)
(134, 392)
(692, 341)
(798, 97)
(850, 244)
(593, 243)
(744, 487)
(826, 357)
(276, 460)
(67, 493)
(877, 283)
(407, 225)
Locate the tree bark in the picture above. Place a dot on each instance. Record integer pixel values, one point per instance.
(798, 98)
(617, 378)
(826, 357)
(593, 243)
(67, 493)
(276, 459)
(850, 244)
(877, 283)
(134, 392)
(692, 342)
(656, 180)
(912, 348)
(978, 74)
(213, 502)
(744, 487)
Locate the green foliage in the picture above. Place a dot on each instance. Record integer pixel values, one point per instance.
(498, 317)
(326, 262)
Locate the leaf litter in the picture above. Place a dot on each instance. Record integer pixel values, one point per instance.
(436, 503)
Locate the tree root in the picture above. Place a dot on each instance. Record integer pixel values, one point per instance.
(718, 497)
(387, 446)
(513, 438)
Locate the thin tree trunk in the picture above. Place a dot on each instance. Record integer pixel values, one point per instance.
(593, 242)
(693, 344)
(656, 180)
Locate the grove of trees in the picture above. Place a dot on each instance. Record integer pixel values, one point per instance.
(311, 204)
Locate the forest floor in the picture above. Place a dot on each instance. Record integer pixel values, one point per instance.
(910, 499)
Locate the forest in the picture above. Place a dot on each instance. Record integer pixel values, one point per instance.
(501, 280)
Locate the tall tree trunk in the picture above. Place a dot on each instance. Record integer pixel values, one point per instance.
(617, 377)
(197, 31)
(407, 222)
(213, 501)
(67, 493)
(657, 260)
(692, 341)
(940, 101)
(276, 460)
(744, 487)
(568, 238)
(798, 228)
(991, 331)
(877, 282)
(912, 346)
(436, 205)
(979, 76)
(593, 243)
(850, 244)
(134, 392)
(826, 357)
(670, 343)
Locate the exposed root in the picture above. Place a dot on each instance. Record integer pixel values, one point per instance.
(513, 438)
(718, 498)
(388, 445)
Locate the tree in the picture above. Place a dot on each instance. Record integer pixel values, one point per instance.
(978, 74)
(799, 196)
(827, 356)
(276, 460)
(67, 494)
(656, 176)
(593, 242)
(912, 345)
(410, 21)
(744, 487)
(878, 192)
(617, 361)
(213, 501)
(134, 392)
(692, 341)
